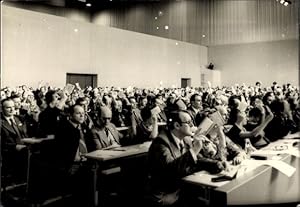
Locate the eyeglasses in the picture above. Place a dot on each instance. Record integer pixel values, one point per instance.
(190, 123)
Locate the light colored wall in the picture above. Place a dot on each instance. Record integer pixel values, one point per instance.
(267, 62)
(39, 46)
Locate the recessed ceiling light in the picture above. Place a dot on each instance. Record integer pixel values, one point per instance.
(203, 35)
(155, 17)
(75, 30)
(88, 4)
(166, 27)
(157, 27)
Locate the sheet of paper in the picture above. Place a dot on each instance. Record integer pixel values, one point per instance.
(205, 126)
(292, 136)
(69, 88)
(281, 166)
(204, 178)
(217, 118)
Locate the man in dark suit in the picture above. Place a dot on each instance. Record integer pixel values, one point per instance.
(65, 156)
(195, 107)
(171, 157)
(50, 118)
(105, 133)
(13, 150)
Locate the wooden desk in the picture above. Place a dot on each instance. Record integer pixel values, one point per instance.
(113, 155)
(262, 185)
(127, 127)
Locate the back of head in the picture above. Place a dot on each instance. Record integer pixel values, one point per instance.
(49, 96)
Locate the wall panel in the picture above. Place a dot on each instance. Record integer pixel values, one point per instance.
(45, 47)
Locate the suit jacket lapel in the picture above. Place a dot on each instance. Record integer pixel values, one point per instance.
(6, 125)
(20, 127)
(103, 137)
(172, 144)
(114, 134)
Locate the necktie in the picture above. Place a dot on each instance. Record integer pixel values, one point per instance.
(110, 137)
(106, 131)
(15, 128)
(82, 145)
(181, 146)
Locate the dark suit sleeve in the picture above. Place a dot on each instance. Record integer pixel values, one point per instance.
(7, 142)
(180, 166)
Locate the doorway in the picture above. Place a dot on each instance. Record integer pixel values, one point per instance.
(185, 82)
(84, 80)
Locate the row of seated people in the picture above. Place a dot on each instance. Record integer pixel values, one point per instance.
(79, 129)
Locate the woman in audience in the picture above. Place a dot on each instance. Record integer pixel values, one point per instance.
(238, 134)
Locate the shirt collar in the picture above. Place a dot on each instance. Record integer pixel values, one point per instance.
(77, 126)
(195, 110)
(9, 118)
(177, 140)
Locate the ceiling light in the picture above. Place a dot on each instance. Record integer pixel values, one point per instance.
(88, 4)
(282, 1)
(286, 3)
(166, 27)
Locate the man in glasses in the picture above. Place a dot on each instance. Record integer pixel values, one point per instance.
(172, 156)
(105, 133)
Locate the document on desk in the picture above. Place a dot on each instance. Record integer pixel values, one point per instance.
(292, 151)
(204, 178)
(281, 166)
(292, 136)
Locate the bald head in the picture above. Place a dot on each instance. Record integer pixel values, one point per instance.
(105, 116)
